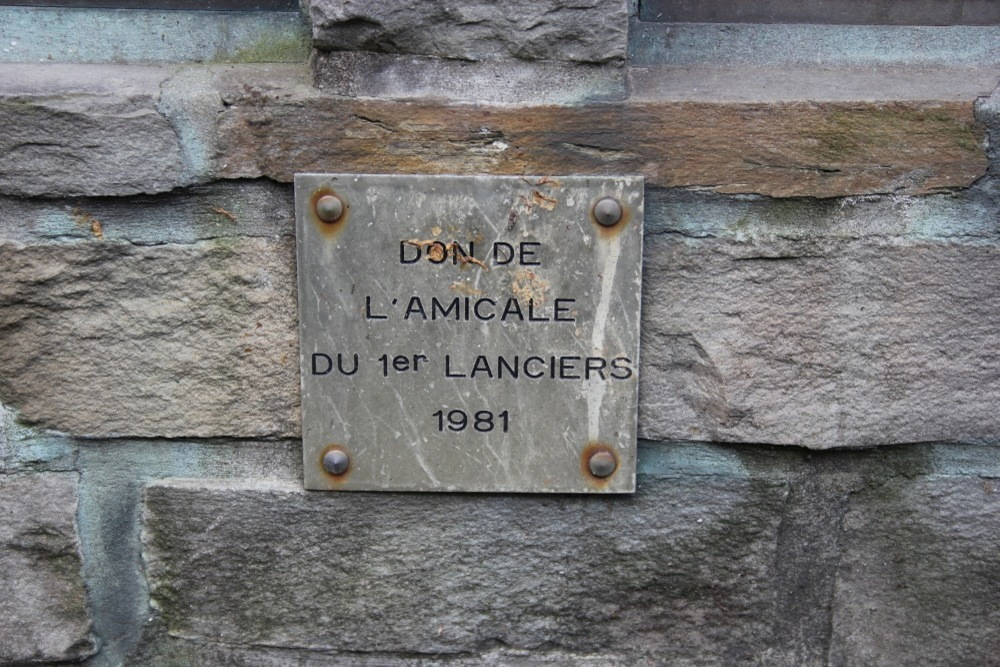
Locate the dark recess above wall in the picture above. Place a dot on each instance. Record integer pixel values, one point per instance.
(832, 12)
(207, 5)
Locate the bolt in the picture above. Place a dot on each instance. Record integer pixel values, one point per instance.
(607, 212)
(602, 463)
(329, 208)
(336, 462)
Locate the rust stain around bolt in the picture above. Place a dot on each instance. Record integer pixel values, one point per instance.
(614, 230)
(328, 229)
(601, 450)
(342, 477)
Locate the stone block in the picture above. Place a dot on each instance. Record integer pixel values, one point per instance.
(681, 571)
(111, 338)
(919, 574)
(779, 148)
(591, 31)
(42, 603)
(820, 342)
(79, 143)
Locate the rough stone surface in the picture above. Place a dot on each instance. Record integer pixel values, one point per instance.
(919, 574)
(685, 564)
(822, 342)
(820, 324)
(42, 606)
(111, 338)
(82, 144)
(570, 30)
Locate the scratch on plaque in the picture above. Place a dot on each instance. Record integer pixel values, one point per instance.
(544, 180)
(511, 219)
(595, 391)
(416, 439)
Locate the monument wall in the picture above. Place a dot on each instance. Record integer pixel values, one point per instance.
(819, 375)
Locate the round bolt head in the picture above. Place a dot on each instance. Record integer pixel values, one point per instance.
(336, 462)
(602, 463)
(329, 208)
(607, 212)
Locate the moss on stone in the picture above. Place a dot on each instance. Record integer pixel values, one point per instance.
(282, 48)
(848, 134)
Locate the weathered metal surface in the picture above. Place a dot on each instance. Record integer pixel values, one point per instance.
(469, 333)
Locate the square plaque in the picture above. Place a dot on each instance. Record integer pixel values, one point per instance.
(469, 333)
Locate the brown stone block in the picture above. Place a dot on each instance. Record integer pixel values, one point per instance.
(780, 149)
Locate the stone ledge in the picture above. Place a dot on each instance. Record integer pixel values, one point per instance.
(781, 149)
(252, 121)
(77, 138)
(507, 82)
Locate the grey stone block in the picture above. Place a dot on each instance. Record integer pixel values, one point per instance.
(919, 574)
(66, 145)
(819, 342)
(681, 570)
(42, 606)
(387, 76)
(570, 30)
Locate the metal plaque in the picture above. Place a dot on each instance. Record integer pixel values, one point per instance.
(469, 333)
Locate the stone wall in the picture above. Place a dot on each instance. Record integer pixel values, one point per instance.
(818, 467)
